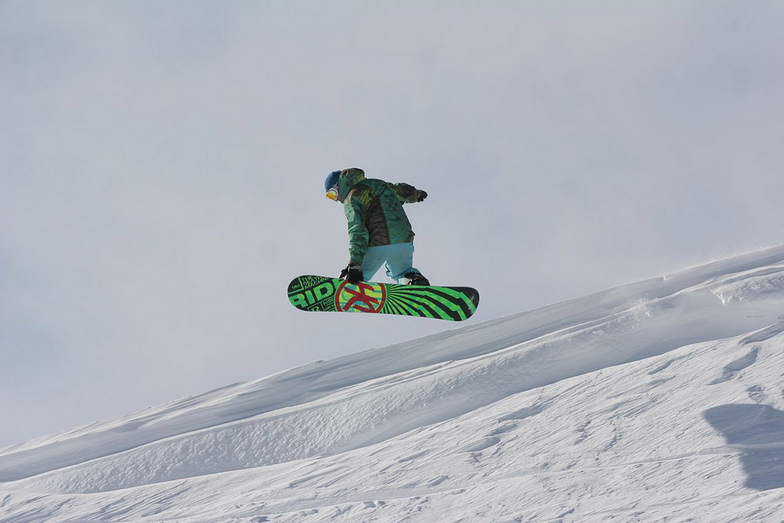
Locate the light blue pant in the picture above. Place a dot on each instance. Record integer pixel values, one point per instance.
(399, 259)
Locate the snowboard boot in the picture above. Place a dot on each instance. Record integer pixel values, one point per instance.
(416, 278)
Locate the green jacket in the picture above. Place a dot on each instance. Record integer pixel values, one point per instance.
(374, 210)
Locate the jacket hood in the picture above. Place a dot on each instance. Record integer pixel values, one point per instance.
(348, 179)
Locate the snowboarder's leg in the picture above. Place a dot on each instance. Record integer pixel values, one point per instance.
(400, 260)
(372, 262)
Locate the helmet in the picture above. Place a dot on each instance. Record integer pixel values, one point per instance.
(331, 180)
(331, 186)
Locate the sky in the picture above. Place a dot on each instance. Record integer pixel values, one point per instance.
(162, 168)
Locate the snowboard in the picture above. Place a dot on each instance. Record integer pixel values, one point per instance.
(324, 294)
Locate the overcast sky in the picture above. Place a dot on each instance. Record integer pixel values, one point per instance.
(162, 168)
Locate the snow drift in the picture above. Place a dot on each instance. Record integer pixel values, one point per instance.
(655, 400)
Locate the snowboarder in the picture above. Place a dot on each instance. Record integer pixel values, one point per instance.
(378, 229)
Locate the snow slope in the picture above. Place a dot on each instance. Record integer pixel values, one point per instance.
(657, 400)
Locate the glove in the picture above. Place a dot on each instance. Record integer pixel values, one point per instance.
(352, 273)
(421, 196)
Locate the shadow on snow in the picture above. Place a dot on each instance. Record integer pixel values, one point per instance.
(758, 432)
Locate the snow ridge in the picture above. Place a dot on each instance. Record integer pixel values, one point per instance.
(569, 411)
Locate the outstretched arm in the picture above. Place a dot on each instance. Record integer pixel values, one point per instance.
(408, 193)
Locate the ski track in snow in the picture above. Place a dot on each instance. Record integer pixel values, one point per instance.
(653, 401)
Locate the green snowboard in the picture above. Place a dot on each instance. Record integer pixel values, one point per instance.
(319, 293)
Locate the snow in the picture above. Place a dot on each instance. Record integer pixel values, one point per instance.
(659, 400)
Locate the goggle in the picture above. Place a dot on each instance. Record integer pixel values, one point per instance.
(333, 193)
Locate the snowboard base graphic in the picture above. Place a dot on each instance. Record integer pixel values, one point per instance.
(323, 294)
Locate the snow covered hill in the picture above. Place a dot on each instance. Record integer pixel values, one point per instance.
(654, 401)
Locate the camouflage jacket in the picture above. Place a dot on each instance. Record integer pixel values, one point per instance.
(374, 210)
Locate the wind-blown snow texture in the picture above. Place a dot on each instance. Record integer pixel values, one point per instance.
(658, 400)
